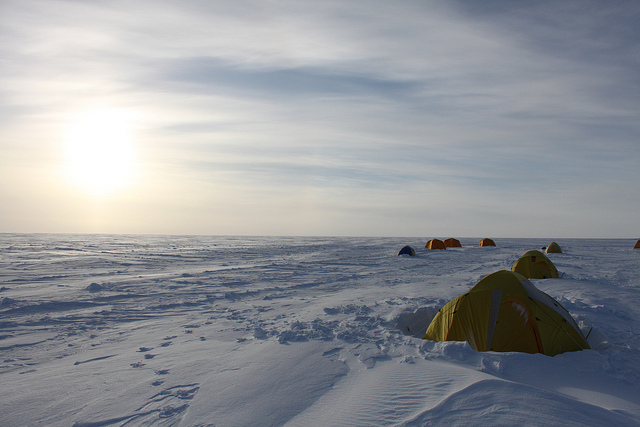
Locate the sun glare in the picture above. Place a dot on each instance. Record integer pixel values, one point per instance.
(99, 152)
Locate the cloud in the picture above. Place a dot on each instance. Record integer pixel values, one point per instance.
(355, 108)
(211, 74)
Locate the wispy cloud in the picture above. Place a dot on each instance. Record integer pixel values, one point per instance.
(358, 109)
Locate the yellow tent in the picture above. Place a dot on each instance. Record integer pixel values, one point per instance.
(435, 244)
(486, 242)
(535, 265)
(506, 312)
(553, 248)
(452, 243)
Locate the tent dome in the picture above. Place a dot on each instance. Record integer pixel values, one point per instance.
(486, 242)
(452, 243)
(553, 248)
(506, 312)
(435, 244)
(407, 250)
(535, 265)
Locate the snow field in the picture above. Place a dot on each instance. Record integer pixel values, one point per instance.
(234, 331)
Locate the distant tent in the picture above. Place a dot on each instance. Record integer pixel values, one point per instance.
(486, 242)
(407, 250)
(637, 246)
(435, 244)
(506, 312)
(452, 243)
(535, 265)
(553, 248)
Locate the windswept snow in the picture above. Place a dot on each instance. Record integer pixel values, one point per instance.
(102, 330)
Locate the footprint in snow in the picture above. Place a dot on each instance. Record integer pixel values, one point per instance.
(168, 403)
(333, 352)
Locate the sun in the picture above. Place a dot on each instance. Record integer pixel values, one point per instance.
(100, 151)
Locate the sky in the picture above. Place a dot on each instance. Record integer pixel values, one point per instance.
(374, 118)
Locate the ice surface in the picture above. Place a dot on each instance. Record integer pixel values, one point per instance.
(101, 330)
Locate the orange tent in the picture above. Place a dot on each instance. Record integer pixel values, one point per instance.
(435, 244)
(637, 246)
(487, 242)
(452, 243)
